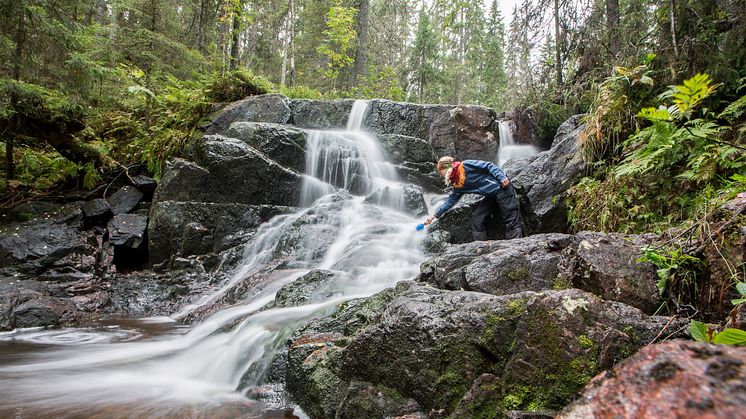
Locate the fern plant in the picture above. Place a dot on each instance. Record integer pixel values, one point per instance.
(679, 142)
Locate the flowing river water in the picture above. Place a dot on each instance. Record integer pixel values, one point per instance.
(163, 367)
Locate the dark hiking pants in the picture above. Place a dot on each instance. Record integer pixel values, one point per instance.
(507, 201)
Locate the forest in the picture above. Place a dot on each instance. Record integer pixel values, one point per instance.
(195, 197)
(91, 86)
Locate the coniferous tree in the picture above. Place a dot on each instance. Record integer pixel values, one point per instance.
(424, 54)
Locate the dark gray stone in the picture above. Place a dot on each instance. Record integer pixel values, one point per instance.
(315, 286)
(464, 132)
(262, 108)
(96, 211)
(500, 267)
(542, 185)
(283, 144)
(320, 114)
(145, 184)
(124, 200)
(128, 230)
(606, 265)
(402, 149)
(169, 232)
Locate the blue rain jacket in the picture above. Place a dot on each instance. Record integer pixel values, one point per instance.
(482, 178)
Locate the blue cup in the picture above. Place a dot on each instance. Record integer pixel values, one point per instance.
(420, 227)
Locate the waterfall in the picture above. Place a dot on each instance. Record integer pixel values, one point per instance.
(508, 148)
(128, 369)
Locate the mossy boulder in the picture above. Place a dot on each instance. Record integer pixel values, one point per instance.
(430, 345)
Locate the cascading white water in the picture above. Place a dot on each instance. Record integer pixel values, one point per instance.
(509, 149)
(186, 369)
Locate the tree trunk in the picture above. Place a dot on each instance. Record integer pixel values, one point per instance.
(612, 27)
(292, 43)
(558, 43)
(674, 42)
(235, 32)
(20, 41)
(361, 54)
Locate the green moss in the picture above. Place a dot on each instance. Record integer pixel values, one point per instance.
(517, 306)
(516, 398)
(561, 283)
(585, 342)
(518, 274)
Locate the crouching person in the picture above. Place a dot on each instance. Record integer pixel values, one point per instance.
(486, 179)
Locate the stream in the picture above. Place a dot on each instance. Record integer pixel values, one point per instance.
(164, 367)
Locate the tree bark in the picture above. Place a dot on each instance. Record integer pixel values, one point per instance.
(292, 43)
(20, 41)
(612, 27)
(558, 43)
(361, 54)
(674, 42)
(235, 32)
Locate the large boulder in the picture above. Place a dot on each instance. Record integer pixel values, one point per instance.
(402, 149)
(194, 228)
(431, 345)
(464, 132)
(542, 184)
(262, 108)
(607, 265)
(285, 145)
(523, 122)
(320, 114)
(674, 379)
(124, 200)
(500, 267)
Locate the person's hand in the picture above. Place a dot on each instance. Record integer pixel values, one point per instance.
(429, 220)
(504, 184)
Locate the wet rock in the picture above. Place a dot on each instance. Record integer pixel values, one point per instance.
(34, 246)
(124, 200)
(421, 174)
(214, 227)
(406, 199)
(313, 231)
(542, 185)
(405, 149)
(320, 114)
(127, 230)
(482, 400)
(32, 309)
(285, 145)
(96, 211)
(499, 267)
(464, 132)
(146, 185)
(317, 285)
(671, 379)
(183, 181)
(241, 174)
(606, 265)
(262, 108)
(127, 233)
(27, 211)
(369, 400)
(431, 345)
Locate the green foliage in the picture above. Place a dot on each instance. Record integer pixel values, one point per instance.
(383, 84)
(611, 116)
(339, 36)
(729, 336)
(40, 169)
(236, 85)
(37, 103)
(300, 92)
(675, 169)
(741, 288)
(677, 271)
(678, 145)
